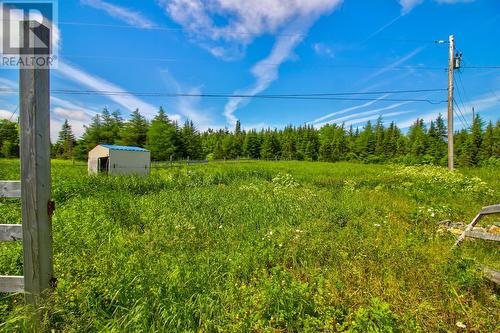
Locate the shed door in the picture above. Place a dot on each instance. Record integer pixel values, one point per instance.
(103, 163)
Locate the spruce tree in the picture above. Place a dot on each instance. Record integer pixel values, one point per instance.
(65, 143)
(191, 141)
(161, 137)
(476, 138)
(135, 131)
(9, 139)
(488, 143)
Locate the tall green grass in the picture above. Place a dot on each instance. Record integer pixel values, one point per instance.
(262, 246)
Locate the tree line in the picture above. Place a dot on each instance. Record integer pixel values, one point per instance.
(373, 143)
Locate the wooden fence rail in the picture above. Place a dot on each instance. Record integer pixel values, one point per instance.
(10, 189)
(11, 232)
(489, 273)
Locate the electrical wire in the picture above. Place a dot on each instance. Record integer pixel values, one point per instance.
(459, 93)
(460, 115)
(13, 113)
(322, 96)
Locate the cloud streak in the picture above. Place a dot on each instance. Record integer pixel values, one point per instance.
(349, 109)
(483, 103)
(126, 15)
(85, 79)
(266, 71)
(397, 63)
(365, 119)
(378, 111)
(408, 5)
(244, 21)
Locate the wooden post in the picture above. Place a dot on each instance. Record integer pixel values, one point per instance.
(451, 72)
(35, 176)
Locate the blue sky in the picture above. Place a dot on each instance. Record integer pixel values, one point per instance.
(271, 47)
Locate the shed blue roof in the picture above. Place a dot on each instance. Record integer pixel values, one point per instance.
(113, 147)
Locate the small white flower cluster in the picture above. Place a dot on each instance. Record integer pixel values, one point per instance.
(250, 187)
(284, 181)
(350, 185)
(423, 177)
(268, 235)
(433, 211)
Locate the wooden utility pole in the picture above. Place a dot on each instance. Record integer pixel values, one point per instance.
(473, 115)
(451, 70)
(35, 173)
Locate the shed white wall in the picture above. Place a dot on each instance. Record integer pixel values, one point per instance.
(94, 154)
(124, 162)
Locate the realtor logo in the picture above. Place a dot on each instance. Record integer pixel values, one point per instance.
(28, 32)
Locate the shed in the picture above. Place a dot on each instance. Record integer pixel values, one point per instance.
(119, 160)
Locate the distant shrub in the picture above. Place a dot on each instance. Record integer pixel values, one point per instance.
(492, 162)
(419, 180)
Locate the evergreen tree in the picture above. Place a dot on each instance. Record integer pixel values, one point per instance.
(236, 142)
(288, 144)
(252, 144)
(191, 141)
(135, 131)
(66, 142)
(488, 142)
(93, 135)
(496, 140)
(271, 146)
(476, 138)
(463, 149)
(365, 143)
(417, 138)
(379, 138)
(391, 138)
(111, 124)
(161, 137)
(9, 139)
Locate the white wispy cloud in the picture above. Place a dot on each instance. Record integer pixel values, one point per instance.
(382, 28)
(396, 63)
(484, 103)
(128, 102)
(349, 109)
(359, 121)
(408, 5)
(6, 114)
(245, 21)
(323, 50)
(7, 84)
(266, 71)
(189, 106)
(131, 17)
(378, 111)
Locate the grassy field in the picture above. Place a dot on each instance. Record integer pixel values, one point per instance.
(264, 247)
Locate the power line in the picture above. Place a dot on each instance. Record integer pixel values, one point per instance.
(461, 86)
(481, 67)
(461, 116)
(13, 113)
(460, 95)
(317, 96)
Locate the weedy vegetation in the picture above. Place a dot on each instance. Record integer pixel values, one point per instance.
(263, 247)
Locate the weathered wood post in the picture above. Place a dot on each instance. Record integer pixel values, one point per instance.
(35, 172)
